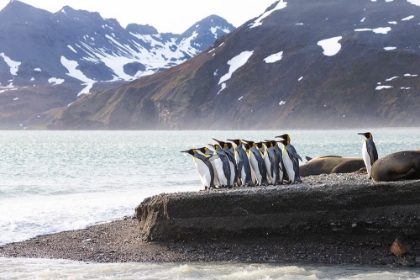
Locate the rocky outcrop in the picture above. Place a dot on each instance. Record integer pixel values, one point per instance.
(346, 204)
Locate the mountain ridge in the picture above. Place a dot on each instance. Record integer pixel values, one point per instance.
(84, 52)
(301, 64)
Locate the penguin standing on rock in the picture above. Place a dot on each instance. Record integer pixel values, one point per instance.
(227, 147)
(244, 168)
(257, 162)
(225, 168)
(204, 167)
(272, 164)
(282, 169)
(290, 159)
(369, 152)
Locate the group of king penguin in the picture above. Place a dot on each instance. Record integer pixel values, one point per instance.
(238, 162)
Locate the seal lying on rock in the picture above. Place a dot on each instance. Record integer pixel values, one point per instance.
(403, 165)
(331, 164)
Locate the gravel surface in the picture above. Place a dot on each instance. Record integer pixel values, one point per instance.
(119, 241)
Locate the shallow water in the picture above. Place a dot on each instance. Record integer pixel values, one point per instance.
(62, 180)
(61, 269)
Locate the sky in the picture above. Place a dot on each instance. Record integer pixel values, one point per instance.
(174, 16)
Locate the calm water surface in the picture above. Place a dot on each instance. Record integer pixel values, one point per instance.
(62, 180)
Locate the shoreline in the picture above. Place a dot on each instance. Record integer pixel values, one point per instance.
(119, 242)
(321, 241)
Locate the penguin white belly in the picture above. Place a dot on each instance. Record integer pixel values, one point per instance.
(366, 158)
(232, 174)
(243, 175)
(218, 164)
(267, 163)
(288, 165)
(254, 164)
(203, 171)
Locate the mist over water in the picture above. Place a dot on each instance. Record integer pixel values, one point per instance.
(62, 180)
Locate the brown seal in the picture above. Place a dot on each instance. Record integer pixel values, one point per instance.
(348, 166)
(326, 164)
(404, 165)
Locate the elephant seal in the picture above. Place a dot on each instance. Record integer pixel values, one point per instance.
(404, 165)
(348, 166)
(326, 164)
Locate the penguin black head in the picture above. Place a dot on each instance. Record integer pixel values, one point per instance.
(221, 143)
(272, 142)
(268, 144)
(260, 144)
(215, 146)
(286, 139)
(236, 141)
(190, 151)
(205, 151)
(366, 134)
(227, 144)
(249, 142)
(283, 141)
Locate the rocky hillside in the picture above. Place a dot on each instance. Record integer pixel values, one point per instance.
(74, 52)
(301, 64)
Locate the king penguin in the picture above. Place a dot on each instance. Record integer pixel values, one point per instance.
(279, 154)
(257, 162)
(290, 159)
(225, 168)
(204, 167)
(271, 163)
(244, 168)
(227, 147)
(369, 152)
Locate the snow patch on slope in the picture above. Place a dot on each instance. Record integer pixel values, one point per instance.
(14, 65)
(55, 81)
(379, 30)
(71, 66)
(330, 46)
(280, 5)
(274, 57)
(407, 18)
(414, 2)
(235, 63)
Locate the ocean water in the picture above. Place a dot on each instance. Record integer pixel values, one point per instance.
(53, 181)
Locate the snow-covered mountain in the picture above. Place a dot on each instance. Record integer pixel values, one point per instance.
(301, 64)
(84, 52)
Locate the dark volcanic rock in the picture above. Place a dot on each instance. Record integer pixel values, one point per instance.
(322, 208)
